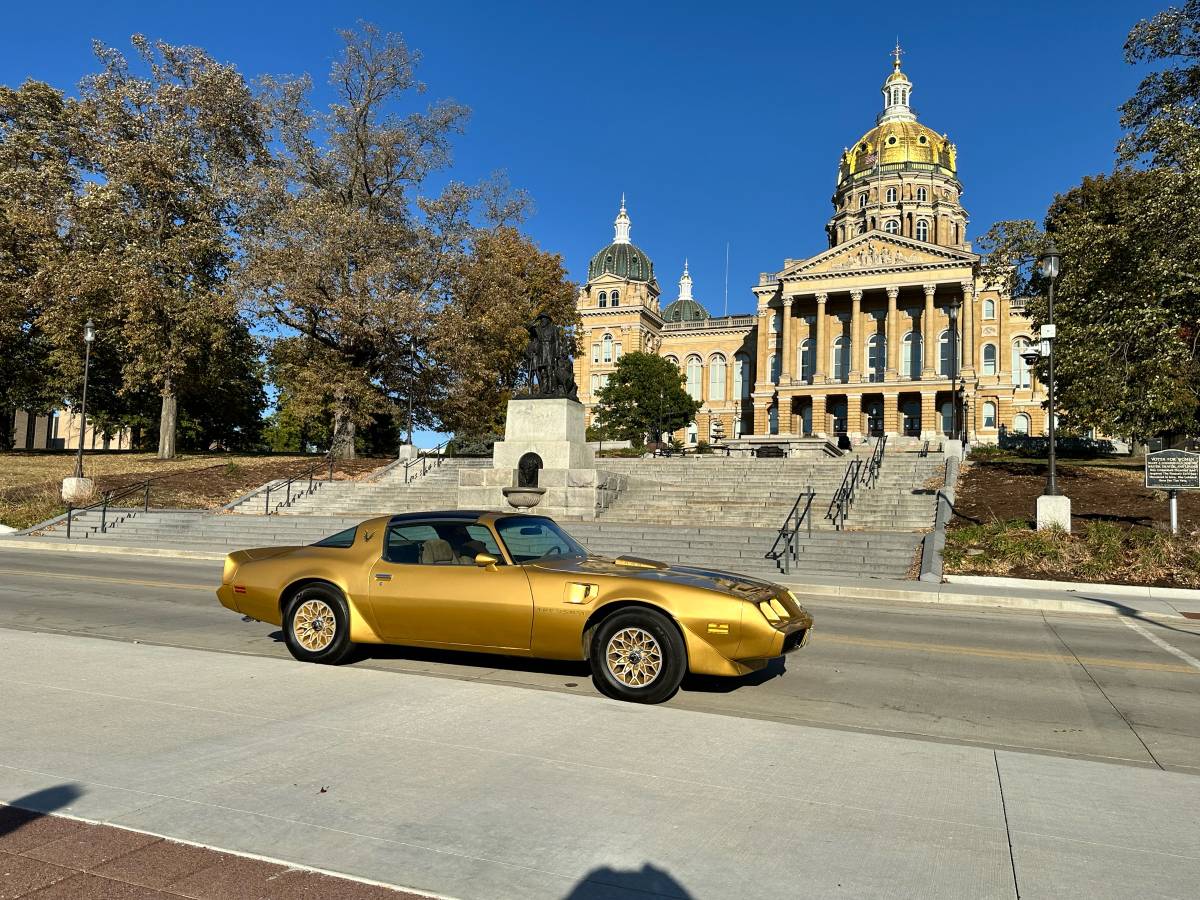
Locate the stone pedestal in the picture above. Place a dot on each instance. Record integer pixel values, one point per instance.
(407, 451)
(77, 491)
(554, 430)
(1054, 512)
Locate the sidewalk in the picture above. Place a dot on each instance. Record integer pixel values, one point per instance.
(44, 857)
(486, 792)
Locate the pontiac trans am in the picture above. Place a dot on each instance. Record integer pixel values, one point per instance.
(519, 585)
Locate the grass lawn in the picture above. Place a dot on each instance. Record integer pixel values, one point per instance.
(1119, 528)
(30, 482)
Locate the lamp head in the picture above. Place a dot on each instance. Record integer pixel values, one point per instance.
(1032, 355)
(1049, 262)
(89, 331)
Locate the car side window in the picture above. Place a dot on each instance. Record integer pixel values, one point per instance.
(532, 542)
(405, 543)
(438, 543)
(483, 535)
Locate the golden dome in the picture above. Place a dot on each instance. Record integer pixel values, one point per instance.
(899, 141)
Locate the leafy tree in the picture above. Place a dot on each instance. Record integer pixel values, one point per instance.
(153, 225)
(644, 396)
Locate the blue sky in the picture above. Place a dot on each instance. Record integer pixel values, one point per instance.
(720, 122)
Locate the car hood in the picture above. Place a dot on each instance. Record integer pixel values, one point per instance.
(651, 570)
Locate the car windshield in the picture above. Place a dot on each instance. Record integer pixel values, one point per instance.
(530, 538)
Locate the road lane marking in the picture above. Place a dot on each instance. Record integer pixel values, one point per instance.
(1010, 655)
(1156, 640)
(133, 581)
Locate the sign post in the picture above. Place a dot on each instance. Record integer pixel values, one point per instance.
(1173, 471)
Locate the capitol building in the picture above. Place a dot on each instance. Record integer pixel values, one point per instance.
(878, 334)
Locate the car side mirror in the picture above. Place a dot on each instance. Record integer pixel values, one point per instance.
(485, 560)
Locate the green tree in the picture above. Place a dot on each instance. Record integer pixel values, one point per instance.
(644, 397)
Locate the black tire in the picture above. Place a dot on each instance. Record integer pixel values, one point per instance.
(618, 665)
(320, 599)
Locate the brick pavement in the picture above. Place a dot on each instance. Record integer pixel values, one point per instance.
(47, 857)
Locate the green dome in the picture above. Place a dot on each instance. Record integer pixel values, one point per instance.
(624, 260)
(685, 309)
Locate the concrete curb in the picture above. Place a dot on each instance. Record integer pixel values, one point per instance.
(1120, 590)
(108, 549)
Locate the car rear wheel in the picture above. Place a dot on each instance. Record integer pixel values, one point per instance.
(316, 625)
(638, 655)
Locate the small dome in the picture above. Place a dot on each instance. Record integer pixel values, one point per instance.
(685, 309)
(899, 141)
(623, 259)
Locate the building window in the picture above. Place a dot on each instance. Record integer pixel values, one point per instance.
(910, 355)
(944, 355)
(716, 378)
(806, 364)
(773, 419)
(862, 200)
(862, 227)
(1020, 368)
(841, 359)
(922, 230)
(891, 195)
(673, 361)
(989, 309)
(922, 195)
(692, 433)
(607, 341)
(891, 226)
(989, 414)
(741, 377)
(603, 299)
(774, 366)
(876, 357)
(1020, 424)
(595, 384)
(956, 233)
(616, 351)
(615, 297)
(989, 359)
(595, 353)
(776, 319)
(695, 374)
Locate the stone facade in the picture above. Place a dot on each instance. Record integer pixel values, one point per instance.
(60, 430)
(877, 334)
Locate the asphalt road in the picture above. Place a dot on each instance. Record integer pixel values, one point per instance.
(1083, 686)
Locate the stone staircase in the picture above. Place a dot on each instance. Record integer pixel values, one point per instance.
(848, 553)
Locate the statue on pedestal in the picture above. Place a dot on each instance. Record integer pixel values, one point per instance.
(548, 368)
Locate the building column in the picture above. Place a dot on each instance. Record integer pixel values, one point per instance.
(820, 376)
(762, 375)
(891, 414)
(893, 335)
(856, 336)
(968, 330)
(854, 423)
(929, 423)
(820, 424)
(786, 357)
(929, 348)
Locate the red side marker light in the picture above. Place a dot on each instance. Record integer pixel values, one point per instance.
(239, 589)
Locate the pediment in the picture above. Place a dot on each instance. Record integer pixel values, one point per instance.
(877, 251)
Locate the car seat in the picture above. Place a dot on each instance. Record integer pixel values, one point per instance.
(437, 552)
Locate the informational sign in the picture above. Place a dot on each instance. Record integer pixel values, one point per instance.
(1173, 470)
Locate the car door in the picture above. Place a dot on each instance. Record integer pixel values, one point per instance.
(425, 591)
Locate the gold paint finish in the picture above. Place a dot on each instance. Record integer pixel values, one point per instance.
(314, 625)
(633, 657)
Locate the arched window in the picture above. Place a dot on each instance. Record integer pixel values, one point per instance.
(1020, 424)
(806, 362)
(862, 227)
(607, 342)
(617, 351)
(945, 343)
(615, 297)
(716, 377)
(922, 230)
(776, 319)
(989, 309)
(989, 359)
(1020, 368)
(596, 352)
(891, 195)
(773, 418)
(774, 368)
(876, 357)
(741, 377)
(922, 195)
(862, 200)
(603, 299)
(841, 359)
(891, 226)
(989, 414)
(673, 361)
(695, 375)
(692, 433)
(910, 355)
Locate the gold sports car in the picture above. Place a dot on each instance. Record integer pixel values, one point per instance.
(519, 585)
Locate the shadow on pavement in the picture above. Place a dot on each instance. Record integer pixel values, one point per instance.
(647, 882)
(33, 806)
(712, 684)
(1131, 613)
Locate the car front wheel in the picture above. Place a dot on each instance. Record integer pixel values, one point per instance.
(316, 625)
(638, 655)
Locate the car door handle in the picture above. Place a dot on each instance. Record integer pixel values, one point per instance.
(383, 576)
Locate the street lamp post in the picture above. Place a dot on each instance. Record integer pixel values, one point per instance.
(953, 313)
(1053, 509)
(89, 335)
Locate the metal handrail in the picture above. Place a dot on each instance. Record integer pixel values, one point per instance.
(870, 473)
(790, 530)
(843, 498)
(310, 473)
(439, 453)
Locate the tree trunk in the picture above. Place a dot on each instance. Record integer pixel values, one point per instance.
(167, 423)
(343, 435)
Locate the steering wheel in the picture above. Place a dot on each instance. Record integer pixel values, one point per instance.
(555, 551)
